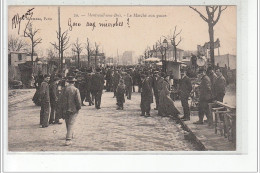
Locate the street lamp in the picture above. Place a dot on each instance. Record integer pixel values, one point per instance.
(165, 45)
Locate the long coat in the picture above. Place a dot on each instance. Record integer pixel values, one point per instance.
(97, 82)
(205, 89)
(146, 94)
(166, 104)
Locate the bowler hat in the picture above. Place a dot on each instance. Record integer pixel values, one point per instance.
(71, 79)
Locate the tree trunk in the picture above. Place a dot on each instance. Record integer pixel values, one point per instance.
(32, 53)
(78, 61)
(88, 59)
(211, 40)
(96, 60)
(175, 53)
(61, 61)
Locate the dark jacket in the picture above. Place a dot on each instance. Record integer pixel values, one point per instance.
(116, 78)
(72, 100)
(185, 87)
(44, 92)
(53, 92)
(146, 94)
(97, 82)
(128, 81)
(205, 89)
(213, 78)
(220, 85)
(88, 82)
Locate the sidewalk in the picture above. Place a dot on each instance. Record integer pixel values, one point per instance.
(19, 95)
(205, 135)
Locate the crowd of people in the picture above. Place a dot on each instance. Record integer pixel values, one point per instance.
(64, 95)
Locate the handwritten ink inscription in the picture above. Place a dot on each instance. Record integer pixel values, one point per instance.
(16, 20)
(93, 25)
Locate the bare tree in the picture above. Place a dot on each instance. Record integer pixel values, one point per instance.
(212, 11)
(64, 44)
(51, 53)
(16, 44)
(160, 47)
(174, 43)
(30, 33)
(96, 52)
(89, 51)
(77, 48)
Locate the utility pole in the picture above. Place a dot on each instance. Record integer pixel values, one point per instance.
(59, 30)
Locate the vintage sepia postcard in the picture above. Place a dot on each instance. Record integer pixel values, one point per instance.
(138, 79)
(150, 78)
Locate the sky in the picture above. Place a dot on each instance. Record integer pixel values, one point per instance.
(135, 27)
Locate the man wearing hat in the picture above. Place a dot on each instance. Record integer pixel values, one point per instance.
(185, 89)
(204, 98)
(97, 84)
(72, 105)
(146, 96)
(54, 119)
(45, 102)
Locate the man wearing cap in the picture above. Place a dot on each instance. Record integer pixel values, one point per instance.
(54, 119)
(72, 105)
(185, 89)
(204, 98)
(45, 102)
(97, 84)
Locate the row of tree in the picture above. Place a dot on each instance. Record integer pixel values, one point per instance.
(19, 44)
(212, 17)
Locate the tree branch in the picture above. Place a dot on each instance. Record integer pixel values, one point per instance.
(201, 15)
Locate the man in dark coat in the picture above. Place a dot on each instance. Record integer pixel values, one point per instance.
(185, 89)
(146, 96)
(128, 84)
(212, 76)
(116, 78)
(88, 88)
(82, 87)
(54, 119)
(45, 102)
(220, 86)
(97, 84)
(205, 97)
(108, 80)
